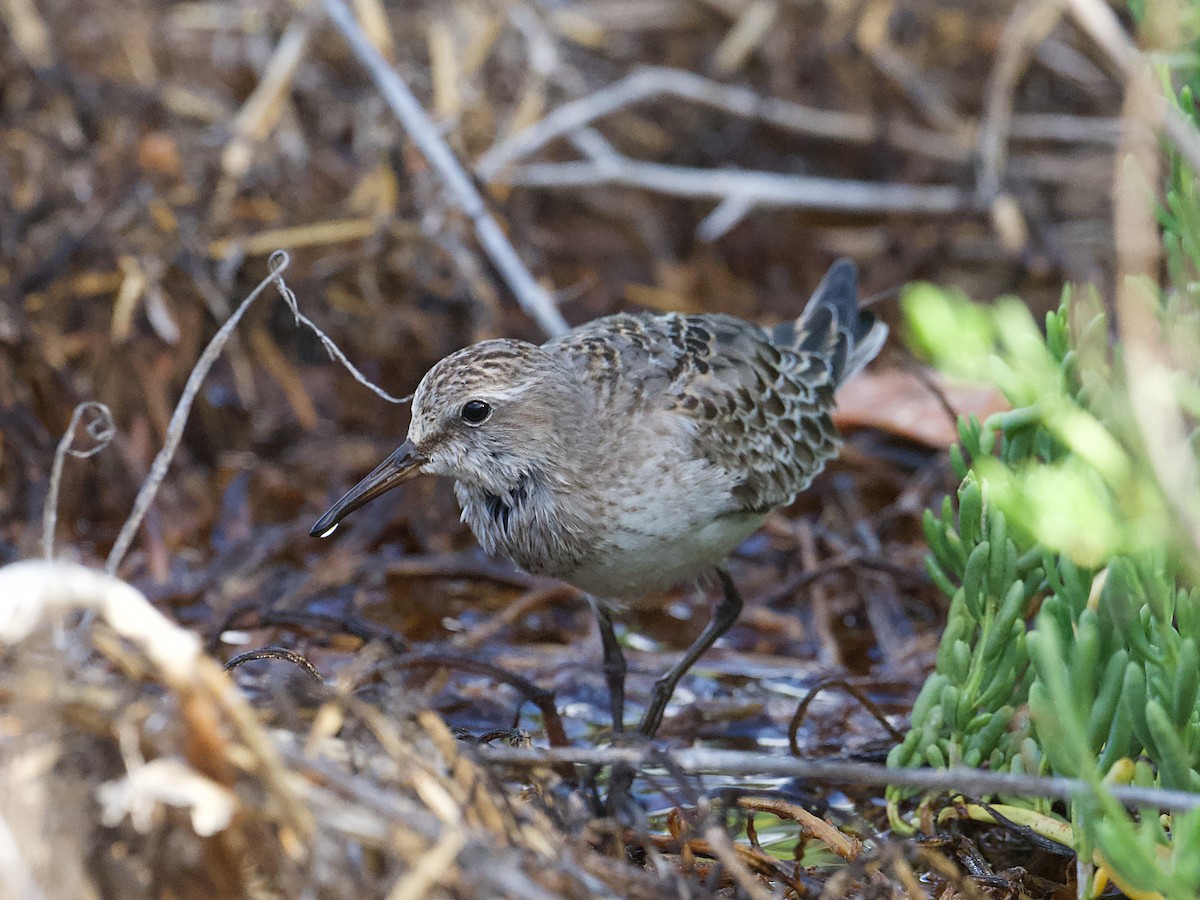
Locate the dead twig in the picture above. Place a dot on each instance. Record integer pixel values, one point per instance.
(1029, 834)
(660, 81)
(539, 697)
(731, 856)
(1028, 25)
(300, 619)
(265, 104)
(841, 773)
(738, 191)
(828, 650)
(746, 189)
(315, 234)
(845, 846)
(1065, 128)
(654, 82)
(867, 703)
(689, 848)
(487, 630)
(926, 95)
(892, 627)
(283, 653)
(1101, 24)
(534, 299)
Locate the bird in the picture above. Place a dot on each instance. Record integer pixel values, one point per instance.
(636, 451)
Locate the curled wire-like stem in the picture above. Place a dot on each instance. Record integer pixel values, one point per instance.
(278, 262)
(854, 691)
(158, 469)
(101, 429)
(289, 297)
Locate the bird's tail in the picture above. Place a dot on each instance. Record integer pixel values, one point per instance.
(833, 325)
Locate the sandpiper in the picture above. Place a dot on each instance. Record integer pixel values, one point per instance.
(635, 451)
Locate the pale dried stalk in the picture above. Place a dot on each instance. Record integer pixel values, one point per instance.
(1151, 379)
(763, 189)
(1100, 22)
(1031, 21)
(722, 848)
(747, 34)
(263, 107)
(930, 99)
(701, 761)
(29, 32)
(738, 192)
(533, 298)
(657, 81)
(38, 593)
(278, 262)
(14, 870)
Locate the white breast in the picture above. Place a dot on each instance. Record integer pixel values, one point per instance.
(647, 515)
(636, 563)
(668, 519)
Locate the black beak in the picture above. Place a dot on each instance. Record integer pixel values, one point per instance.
(396, 469)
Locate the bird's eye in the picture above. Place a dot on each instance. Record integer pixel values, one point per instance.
(475, 412)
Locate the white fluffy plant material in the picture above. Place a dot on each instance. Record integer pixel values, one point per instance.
(37, 594)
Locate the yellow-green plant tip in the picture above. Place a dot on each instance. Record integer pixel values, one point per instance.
(897, 822)
(947, 328)
(1051, 828)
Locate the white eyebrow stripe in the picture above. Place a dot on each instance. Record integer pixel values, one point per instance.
(512, 392)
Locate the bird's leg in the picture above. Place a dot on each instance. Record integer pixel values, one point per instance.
(723, 617)
(614, 664)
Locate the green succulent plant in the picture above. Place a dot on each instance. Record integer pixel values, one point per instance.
(1070, 559)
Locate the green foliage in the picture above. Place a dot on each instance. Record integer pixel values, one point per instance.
(1056, 523)
(1072, 645)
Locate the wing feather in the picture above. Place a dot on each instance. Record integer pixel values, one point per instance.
(759, 412)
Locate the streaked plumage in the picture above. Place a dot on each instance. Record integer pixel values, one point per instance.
(638, 449)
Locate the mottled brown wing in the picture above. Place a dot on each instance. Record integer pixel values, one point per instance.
(761, 412)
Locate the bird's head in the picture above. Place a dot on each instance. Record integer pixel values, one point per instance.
(489, 416)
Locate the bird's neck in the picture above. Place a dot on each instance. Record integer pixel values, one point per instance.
(529, 519)
(501, 504)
